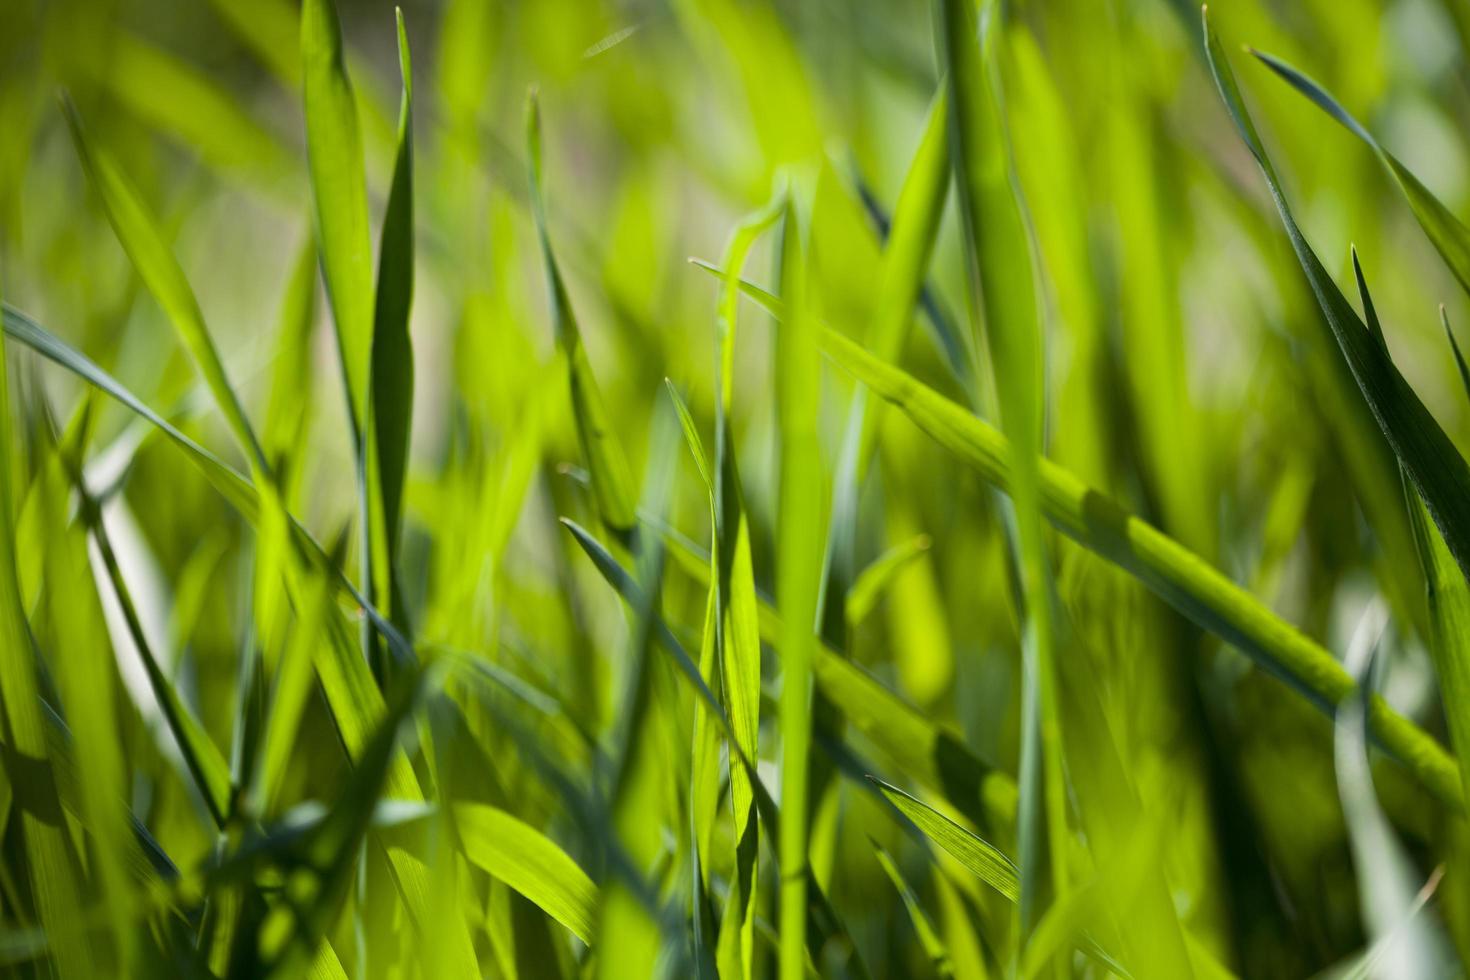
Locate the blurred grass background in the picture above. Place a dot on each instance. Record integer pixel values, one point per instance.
(1184, 374)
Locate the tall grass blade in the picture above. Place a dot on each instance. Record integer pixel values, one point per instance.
(1436, 468)
(611, 483)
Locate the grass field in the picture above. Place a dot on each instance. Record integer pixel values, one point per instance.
(734, 489)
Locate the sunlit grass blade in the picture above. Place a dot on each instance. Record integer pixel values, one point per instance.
(156, 266)
(915, 743)
(1436, 468)
(982, 859)
(1170, 570)
(733, 573)
(611, 482)
(233, 486)
(906, 253)
(390, 407)
(999, 247)
(334, 154)
(526, 860)
(798, 579)
(88, 682)
(37, 807)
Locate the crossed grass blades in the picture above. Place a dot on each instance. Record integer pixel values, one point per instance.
(777, 667)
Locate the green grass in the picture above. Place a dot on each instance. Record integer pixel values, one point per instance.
(735, 489)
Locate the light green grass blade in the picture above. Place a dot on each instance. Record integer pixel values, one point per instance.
(155, 264)
(929, 937)
(799, 553)
(1448, 597)
(874, 580)
(980, 858)
(87, 681)
(732, 571)
(1435, 466)
(611, 483)
(905, 263)
(999, 251)
(526, 860)
(390, 411)
(334, 153)
(37, 807)
(234, 487)
(1170, 570)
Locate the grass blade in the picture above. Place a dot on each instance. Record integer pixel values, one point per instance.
(390, 408)
(1436, 468)
(156, 266)
(1174, 573)
(1448, 234)
(929, 937)
(339, 190)
(526, 860)
(980, 858)
(611, 482)
(798, 580)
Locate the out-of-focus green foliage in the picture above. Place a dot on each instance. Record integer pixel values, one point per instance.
(1032, 552)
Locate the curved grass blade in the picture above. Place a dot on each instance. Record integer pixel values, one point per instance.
(390, 407)
(526, 860)
(1435, 467)
(611, 482)
(929, 937)
(156, 266)
(982, 859)
(339, 190)
(1174, 573)
(870, 584)
(233, 486)
(1447, 233)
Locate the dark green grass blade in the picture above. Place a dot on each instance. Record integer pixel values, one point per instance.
(929, 937)
(1448, 234)
(611, 482)
(391, 406)
(1437, 470)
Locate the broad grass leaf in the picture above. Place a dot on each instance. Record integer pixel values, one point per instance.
(526, 860)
